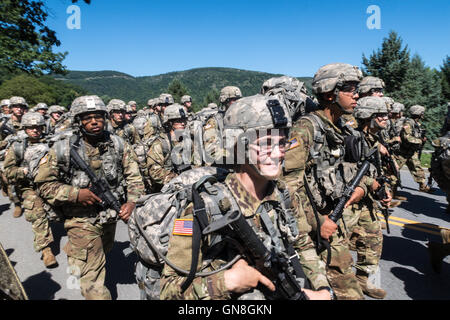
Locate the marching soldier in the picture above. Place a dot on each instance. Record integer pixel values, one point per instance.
(89, 224)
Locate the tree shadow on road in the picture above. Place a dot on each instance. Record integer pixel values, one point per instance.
(424, 286)
(41, 286)
(119, 268)
(420, 203)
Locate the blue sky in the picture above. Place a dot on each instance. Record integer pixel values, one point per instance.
(292, 37)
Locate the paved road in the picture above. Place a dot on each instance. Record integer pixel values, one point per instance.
(405, 270)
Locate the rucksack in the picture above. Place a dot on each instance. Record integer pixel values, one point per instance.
(155, 214)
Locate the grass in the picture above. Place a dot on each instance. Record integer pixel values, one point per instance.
(425, 160)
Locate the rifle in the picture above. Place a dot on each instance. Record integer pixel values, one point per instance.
(380, 195)
(98, 185)
(269, 263)
(389, 160)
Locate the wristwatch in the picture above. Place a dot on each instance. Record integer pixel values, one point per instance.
(332, 295)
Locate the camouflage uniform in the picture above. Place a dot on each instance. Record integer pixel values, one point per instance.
(213, 286)
(166, 156)
(411, 135)
(124, 130)
(153, 127)
(304, 155)
(26, 154)
(90, 229)
(440, 165)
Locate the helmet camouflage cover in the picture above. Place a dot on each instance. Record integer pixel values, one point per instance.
(165, 98)
(253, 113)
(368, 106)
(368, 83)
(87, 104)
(18, 101)
(55, 108)
(230, 92)
(334, 75)
(389, 102)
(116, 105)
(185, 99)
(173, 112)
(31, 119)
(417, 110)
(397, 107)
(41, 106)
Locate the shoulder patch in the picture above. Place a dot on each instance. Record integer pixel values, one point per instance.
(293, 143)
(183, 227)
(44, 160)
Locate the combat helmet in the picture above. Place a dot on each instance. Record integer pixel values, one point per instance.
(368, 83)
(31, 119)
(41, 106)
(291, 90)
(229, 92)
(368, 106)
(55, 109)
(4, 102)
(173, 112)
(166, 99)
(116, 105)
(389, 102)
(185, 99)
(417, 110)
(87, 104)
(397, 107)
(332, 76)
(14, 101)
(253, 113)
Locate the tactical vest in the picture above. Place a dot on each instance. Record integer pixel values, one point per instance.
(111, 167)
(441, 155)
(326, 171)
(29, 155)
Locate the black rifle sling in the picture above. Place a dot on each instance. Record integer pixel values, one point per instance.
(200, 221)
(320, 241)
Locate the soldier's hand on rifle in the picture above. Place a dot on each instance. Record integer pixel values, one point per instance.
(356, 196)
(126, 210)
(383, 150)
(327, 228)
(387, 201)
(241, 278)
(87, 198)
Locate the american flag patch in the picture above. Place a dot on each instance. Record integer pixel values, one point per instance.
(183, 227)
(293, 143)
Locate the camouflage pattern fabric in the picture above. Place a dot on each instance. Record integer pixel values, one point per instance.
(213, 287)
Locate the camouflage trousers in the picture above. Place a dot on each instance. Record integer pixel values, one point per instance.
(35, 214)
(339, 272)
(365, 236)
(86, 248)
(412, 161)
(9, 190)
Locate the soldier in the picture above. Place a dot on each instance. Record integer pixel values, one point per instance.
(133, 105)
(186, 101)
(213, 128)
(21, 165)
(371, 86)
(118, 125)
(166, 150)
(160, 105)
(9, 127)
(317, 152)
(253, 192)
(55, 122)
(361, 219)
(4, 106)
(413, 139)
(90, 226)
(440, 165)
(42, 108)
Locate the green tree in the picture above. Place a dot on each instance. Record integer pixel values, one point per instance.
(36, 90)
(26, 43)
(445, 78)
(177, 90)
(390, 63)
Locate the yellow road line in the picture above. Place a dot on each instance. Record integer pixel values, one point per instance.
(411, 225)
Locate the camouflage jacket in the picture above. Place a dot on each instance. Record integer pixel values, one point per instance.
(54, 189)
(411, 136)
(126, 131)
(213, 286)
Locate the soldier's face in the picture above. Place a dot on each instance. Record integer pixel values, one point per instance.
(5, 109)
(18, 110)
(267, 153)
(377, 93)
(42, 111)
(179, 124)
(56, 115)
(118, 116)
(127, 116)
(34, 132)
(93, 123)
(188, 104)
(348, 96)
(381, 120)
